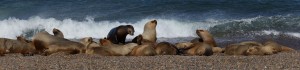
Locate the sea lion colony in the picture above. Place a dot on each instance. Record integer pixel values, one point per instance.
(144, 44)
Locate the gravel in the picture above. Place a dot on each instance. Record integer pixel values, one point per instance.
(219, 61)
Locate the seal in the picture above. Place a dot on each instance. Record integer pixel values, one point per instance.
(165, 48)
(206, 37)
(48, 44)
(57, 33)
(199, 49)
(118, 34)
(143, 50)
(149, 33)
(21, 45)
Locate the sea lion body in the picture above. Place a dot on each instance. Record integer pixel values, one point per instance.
(165, 48)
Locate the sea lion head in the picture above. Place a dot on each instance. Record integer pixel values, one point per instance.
(151, 24)
(130, 30)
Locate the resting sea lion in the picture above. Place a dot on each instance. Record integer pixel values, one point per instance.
(165, 48)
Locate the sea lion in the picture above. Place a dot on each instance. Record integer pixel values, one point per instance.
(238, 49)
(21, 45)
(118, 34)
(149, 33)
(105, 42)
(196, 40)
(88, 42)
(206, 37)
(217, 50)
(250, 48)
(143, 50)
(250, 43)
(165, 48)
(277, 47)
(57, 33)
(183, 45)
(139, 40)
(111, 49)
(199, 49)
(28, 48)
(48, 44)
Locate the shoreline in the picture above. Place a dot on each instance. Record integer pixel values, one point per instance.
(290, 60)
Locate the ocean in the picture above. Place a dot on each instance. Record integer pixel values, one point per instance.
(228, 20)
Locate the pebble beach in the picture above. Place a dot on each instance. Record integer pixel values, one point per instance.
(280, 61)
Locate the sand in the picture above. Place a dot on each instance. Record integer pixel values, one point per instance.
(290, 61)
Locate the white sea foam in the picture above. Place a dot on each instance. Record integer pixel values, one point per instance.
(73, 29)
(274, 32)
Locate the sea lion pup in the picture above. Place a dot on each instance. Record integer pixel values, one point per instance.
(118, 34)
(48, 44)
(149, 33)
(206, 37)
(111, 49)
(277, 47)
(57, 33)
(165, 48)
(143, 50)
(199, 49)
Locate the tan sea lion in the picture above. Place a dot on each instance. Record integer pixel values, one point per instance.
(206, 37)
(196, 40)
(183, 45)
(21, 45)
(104, 42)
(149, 33)
(250, 43)
(237, 49)
(250, 48)
(118, 34)
(139, 40)
(48, 44)
(143, 50)
(217, 50)
(165, 48)
(277, 47)
(88, 42)
(57, 33)
(199, 49)
(111, 49)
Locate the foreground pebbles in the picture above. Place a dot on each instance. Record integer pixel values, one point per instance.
(289, 61)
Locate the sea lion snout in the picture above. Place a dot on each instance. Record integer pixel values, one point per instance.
(154, 21)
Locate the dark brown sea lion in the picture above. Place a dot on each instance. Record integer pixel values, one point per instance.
(118, 34)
